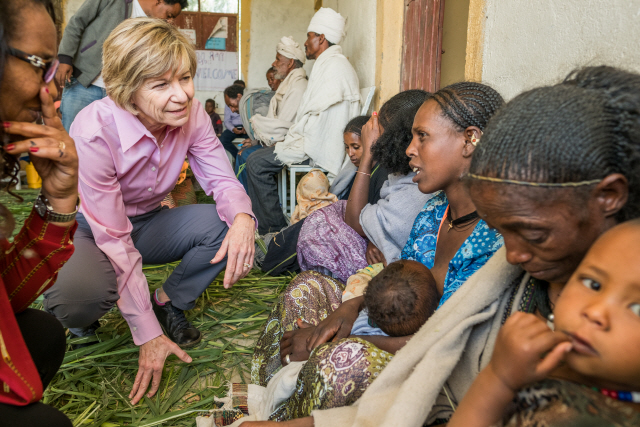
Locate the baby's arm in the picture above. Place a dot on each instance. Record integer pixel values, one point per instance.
(520, 358)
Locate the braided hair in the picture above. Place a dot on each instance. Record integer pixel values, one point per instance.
(468, 104)
(356, 124)
(580, 130)
(396, 117)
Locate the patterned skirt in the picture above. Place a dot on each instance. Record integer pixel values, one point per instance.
(337, 373)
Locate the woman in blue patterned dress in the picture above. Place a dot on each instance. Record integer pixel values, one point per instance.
(310, 322)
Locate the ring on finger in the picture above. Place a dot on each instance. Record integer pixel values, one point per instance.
(246, 265)
(61, 145)
(287, 359)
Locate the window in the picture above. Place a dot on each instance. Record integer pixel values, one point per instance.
(213, 6)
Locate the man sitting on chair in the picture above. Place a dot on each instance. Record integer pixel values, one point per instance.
(283, 107)
(332, 99)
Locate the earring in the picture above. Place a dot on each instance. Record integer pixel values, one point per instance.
(474, 140)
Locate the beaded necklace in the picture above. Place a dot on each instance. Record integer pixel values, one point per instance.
(624, 396)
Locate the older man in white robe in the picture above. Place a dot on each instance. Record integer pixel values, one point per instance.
(283, 107)
(332, 99)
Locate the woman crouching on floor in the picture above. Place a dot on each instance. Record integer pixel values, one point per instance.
(131, 147)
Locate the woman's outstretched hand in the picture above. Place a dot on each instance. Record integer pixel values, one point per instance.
(239, 248)
(52, 152)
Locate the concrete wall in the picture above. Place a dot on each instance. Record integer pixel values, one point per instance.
(270, 20)
(532, 43)
(360, 44)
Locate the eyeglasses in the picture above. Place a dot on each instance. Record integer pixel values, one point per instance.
(49, 67)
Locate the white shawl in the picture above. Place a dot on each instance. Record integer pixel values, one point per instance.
(332, 99)
(283, 109)
(452, 347)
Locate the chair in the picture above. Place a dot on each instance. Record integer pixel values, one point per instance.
(282, 190)
(367, 96)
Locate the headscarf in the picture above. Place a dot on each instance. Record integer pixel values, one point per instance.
(330, 23)
(312, 194)
(290, 49)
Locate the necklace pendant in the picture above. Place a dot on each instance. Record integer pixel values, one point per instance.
(450, 227)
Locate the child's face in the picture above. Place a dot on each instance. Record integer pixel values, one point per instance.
(600, 310)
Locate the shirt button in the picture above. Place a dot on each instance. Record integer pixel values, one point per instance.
(149, 189)
(135, 329)
(153, 168)
(161, 145)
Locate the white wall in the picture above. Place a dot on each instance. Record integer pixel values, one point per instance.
(360, 44)
(530, 43)
(270, 21)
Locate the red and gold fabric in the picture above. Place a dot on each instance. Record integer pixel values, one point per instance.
(28, 267)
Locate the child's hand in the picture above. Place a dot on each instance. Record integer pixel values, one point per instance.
(526, 351)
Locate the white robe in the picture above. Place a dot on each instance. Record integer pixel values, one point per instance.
(283, 109)
(331, 100)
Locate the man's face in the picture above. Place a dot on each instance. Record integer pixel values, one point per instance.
(283, 66)
(273, 83)
(162, 10)
(233, 103)
(208, 107)
(313, 45)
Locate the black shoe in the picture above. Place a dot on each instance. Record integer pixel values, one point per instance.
(175, 324)
(89, 333)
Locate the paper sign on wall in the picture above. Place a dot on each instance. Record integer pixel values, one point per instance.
(216, 70)
(190, 34)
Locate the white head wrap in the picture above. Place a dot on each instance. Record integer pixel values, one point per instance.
(330, 23)
(290, 49)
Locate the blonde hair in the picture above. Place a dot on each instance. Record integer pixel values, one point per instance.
(140, 49)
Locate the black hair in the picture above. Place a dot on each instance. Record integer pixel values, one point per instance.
(240, 83)
(356, 124)
(297, 64)
(271, 70)
(468, 104)
(233, 91)
(211, 101)
(396, 117)
(582, 129)
(399, 300)
(183, 3)
(10, 16)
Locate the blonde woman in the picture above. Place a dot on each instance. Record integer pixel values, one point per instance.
(131, 146)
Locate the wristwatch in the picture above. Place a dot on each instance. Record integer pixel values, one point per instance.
(46, 212)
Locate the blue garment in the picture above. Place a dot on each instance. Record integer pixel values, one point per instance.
(75, 98)
(472, 255)
(231, 119)
(241, 159)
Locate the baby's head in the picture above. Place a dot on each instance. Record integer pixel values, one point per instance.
(401, 298)
(599, 309)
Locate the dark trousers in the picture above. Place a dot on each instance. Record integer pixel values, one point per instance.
(86, 287)
(226, 138)
(44, 337)
(241, 159)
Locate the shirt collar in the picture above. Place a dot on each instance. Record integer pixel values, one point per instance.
(130, 128)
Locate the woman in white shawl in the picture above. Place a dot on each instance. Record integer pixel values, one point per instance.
(556, 167)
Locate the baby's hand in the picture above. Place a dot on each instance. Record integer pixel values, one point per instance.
(526, 351)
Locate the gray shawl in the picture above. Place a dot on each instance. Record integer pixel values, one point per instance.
(448, 351)
(388, 223)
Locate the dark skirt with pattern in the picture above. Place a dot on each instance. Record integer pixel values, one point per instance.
(337, 373)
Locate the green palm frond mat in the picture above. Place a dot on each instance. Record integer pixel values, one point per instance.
(94, 382)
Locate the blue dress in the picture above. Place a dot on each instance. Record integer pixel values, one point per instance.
(472, 255)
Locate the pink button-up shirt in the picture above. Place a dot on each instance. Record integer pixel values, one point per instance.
(124, 172)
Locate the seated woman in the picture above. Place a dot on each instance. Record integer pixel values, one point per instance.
(281, 255)
(590, 364)
(32, 342)
(132, 146)
(446, 237)
(348, 236)
(556, 167)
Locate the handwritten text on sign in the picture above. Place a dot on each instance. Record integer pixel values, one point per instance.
(216, 70)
